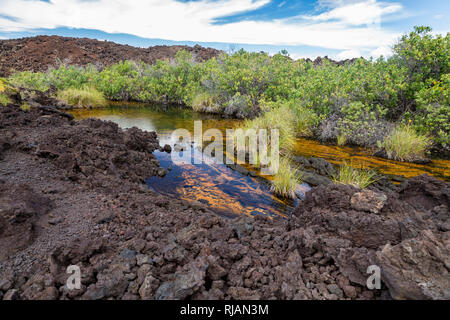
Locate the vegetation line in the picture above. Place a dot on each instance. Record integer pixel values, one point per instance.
(361, 102)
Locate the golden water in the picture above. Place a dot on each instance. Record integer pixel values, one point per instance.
(361, 157)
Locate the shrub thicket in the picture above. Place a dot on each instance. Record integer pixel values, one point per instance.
(360, 100)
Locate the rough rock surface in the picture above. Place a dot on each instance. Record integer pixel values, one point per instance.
(404, 233)
(41, 52)
(132, 243)
(418, 268)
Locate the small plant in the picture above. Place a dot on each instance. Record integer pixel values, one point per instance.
(25, 106)
(4, 99)
(361, 178)
(82, 98)
(286, 179)
(341, 139)
(405, 144)
(6, 90)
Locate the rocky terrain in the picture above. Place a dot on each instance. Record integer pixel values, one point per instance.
(73, 193)
(41, 52)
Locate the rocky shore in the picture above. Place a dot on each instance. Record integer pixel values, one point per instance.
(73, 193)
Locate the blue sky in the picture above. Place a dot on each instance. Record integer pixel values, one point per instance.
(337, 28)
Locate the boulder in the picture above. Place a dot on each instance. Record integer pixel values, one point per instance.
(417, 268)
(368, 200)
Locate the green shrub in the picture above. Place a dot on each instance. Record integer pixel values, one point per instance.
(433, 110)
(65, 77)
(25, 106)
(5, 91)
(348, 174)
(26, 79)
(4, 99)
(362, 124)
(286, 179)
(424, 55)
(405, 144)
(82, 98)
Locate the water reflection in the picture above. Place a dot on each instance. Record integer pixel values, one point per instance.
(224, 190)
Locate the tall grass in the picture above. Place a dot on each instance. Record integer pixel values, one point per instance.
(281, 118)
(306, 120)
(358, 177)
(205, 102)
(405, 144)
(286, 179)
(82, 98)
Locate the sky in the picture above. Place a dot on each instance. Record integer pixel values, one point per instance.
(340, 29)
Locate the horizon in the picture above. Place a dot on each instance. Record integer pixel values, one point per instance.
(340, 29)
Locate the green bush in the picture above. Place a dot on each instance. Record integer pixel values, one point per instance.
(36, 81)
(362, 124)
(4, 99)
(205, 102)
(6, 90)
(424, 56)
(433, 110)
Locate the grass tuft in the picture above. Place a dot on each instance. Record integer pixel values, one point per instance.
(82, 98)
(281, 118)
(286, 179)
(405, 144)
(205, 102)
(341, 140)
(306, 120)
(361, 178)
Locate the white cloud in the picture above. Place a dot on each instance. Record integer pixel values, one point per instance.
(384, 51)
(346, 26)
(348, 54)
(358, 13)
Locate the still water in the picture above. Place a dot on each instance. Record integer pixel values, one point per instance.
(225, 191)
